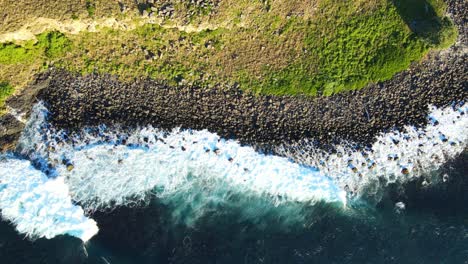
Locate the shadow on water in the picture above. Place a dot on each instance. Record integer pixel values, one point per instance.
(422, 18)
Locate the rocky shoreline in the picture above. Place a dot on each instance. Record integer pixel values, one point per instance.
(357, 116)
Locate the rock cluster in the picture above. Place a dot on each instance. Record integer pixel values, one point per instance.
(167, 8)
(356, 116)
(457, 10)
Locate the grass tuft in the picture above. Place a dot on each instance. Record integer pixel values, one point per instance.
(51, 45)
(5, 91)
(91, 8)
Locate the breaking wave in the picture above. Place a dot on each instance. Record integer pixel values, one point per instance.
(38, 206)
(394, 157)
(195, 171)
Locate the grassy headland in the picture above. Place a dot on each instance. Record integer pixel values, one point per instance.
(270, 47)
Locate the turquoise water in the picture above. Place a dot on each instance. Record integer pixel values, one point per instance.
(432, 229)
(192, 197)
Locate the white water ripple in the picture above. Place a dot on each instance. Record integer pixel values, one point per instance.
(38, 206)
(395, 157)
(193, 170)
(103, 172)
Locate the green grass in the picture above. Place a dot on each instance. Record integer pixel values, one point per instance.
(12, 54)
(51, 45)
(18, 63)
(5, 91)
(426, 19)
(358, 50)
(91, 8)
(282, 48)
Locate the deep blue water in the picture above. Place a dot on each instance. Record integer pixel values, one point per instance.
(432, 229)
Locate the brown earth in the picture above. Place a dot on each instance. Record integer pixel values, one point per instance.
(358, 116)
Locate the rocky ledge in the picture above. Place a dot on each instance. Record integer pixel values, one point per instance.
(357, 116)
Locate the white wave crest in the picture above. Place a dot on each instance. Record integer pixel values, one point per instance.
(102, 172)
(395, 157)
(38, 206)
(193, 170)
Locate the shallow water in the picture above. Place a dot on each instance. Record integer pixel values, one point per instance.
(192, 197)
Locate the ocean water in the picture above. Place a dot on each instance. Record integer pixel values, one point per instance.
(109, 195)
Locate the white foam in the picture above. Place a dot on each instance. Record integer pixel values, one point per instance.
(195, 170)
(38, 206)
(105, 174)
(395, 157)
(192, 170)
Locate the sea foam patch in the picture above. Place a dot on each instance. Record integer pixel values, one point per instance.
(394, 157)
(39, 206)
(194, 170)
(101, 170)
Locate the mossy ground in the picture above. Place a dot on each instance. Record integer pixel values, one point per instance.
(19, 62)
(5, 91)
(269, 47)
